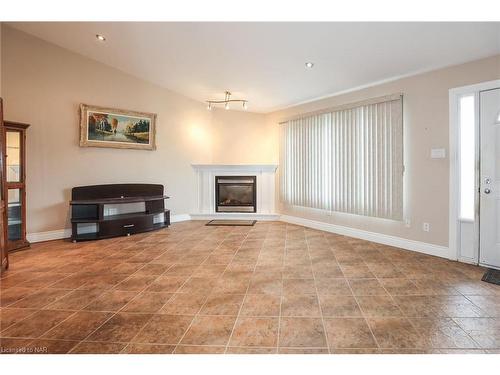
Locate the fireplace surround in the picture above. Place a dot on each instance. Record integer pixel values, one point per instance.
(205, 205)
(235, 194)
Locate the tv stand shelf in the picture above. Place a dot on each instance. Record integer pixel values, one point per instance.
(121, 199)
(87, 210)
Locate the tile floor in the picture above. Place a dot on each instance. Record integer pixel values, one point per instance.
(271, 288)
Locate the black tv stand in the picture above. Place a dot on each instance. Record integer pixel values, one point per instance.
(88, 211)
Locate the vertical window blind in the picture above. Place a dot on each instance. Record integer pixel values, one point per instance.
(348, 159)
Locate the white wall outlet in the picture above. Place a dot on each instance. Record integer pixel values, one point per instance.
(426, 227)
(438, 153)
(407, 223)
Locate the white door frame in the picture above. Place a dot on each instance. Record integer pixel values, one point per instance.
(454, 99)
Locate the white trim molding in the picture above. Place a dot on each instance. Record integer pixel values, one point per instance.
(403, 243)
(236, 167)
(49, 235)
(60, 234)
(179, 218)
(454, 188)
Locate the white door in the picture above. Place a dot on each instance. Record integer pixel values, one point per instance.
(489, 221)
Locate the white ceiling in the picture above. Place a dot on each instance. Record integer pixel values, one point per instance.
(264, 62)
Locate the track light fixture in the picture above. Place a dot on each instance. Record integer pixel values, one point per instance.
(226, 101)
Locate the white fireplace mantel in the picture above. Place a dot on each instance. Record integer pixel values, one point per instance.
(205, 205)
(236, 167)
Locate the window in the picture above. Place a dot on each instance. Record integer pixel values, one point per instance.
(348, 159)
(467, 157)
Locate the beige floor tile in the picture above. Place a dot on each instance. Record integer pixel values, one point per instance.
(193, 349)
(37, 324)
(122, 327)
(209, 330)
(250, 350)
(134, 348)
(184, 304)
(366, 287)
(164, 329)
(263, 305)
(442, 333)
(112, 300)
(378, 306)
(255, 332)
(98, 348)
(335, 287)
(302, 332)
(339, 306)
(300, 305)
(78, 326)
(349, 333)
(222, 304)
(147, 302)
(395, 333)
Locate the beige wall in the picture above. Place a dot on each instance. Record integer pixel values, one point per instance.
(43, 86)
(425, 126)
(243, 137)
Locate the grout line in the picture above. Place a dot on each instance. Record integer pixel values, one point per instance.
(317, 296)
(246, 291)
(363, 314)
(282, 290)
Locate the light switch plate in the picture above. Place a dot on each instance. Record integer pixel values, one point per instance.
(438, 153)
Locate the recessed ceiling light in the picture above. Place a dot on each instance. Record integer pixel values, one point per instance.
(309, 65)
(100, 37)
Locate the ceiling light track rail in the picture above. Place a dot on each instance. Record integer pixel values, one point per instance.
(226, 101)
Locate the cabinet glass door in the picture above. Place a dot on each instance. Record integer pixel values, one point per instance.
(15, 136)
(13, 140)
(14, 215)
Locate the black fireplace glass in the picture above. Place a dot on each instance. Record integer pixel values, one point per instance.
(235, 195)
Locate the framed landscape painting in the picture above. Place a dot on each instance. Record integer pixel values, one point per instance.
(118, 128)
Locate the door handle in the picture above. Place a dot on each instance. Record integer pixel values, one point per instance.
(129, 226)
(487, 191)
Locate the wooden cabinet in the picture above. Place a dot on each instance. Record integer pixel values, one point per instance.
(15, 184)
(4, 256)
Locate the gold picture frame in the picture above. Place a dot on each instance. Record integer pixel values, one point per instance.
(117, 128)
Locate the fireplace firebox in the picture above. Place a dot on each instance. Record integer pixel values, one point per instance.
(235, 194)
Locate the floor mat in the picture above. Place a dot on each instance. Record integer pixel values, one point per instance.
(232, 223)
(492, 276)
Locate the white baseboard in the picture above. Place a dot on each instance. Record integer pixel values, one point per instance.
(418, 246)
(66, 233)
(236, 216)
(49, 235)
(180, 217)
(422, 247)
